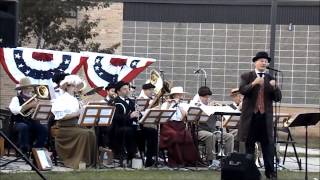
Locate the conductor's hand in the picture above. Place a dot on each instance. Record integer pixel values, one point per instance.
(258, 80)
(273, 83)
(134, 114)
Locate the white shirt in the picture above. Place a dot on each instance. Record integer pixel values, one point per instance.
(64, 105)
(14, 106)
(144, 96)
(177, 116)
(257, 73)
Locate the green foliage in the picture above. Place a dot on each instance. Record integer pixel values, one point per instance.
(46, 21)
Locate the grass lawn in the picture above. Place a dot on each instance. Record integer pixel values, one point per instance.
(142, 175)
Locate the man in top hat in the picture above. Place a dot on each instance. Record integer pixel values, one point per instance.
(25, 126)
(206, 130)
(256, 122)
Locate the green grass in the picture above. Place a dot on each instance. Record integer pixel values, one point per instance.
(141, 175)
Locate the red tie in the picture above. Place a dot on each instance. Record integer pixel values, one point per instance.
(260, 100)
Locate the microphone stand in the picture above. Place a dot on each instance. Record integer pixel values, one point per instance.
(205, 75)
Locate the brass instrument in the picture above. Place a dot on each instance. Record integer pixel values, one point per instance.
(40, 92)
(161, 88)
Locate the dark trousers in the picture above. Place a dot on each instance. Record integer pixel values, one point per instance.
(126, 142)
(131, 139)
(258, 133)
(104, 136)
(147, 137)
(28, 131)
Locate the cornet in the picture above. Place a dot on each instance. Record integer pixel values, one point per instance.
(41, 92)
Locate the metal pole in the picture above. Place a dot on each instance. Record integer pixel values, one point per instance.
(16, 33)
(273, 23)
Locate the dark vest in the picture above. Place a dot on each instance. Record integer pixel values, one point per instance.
(19, 118)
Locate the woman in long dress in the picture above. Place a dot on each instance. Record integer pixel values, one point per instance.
(175, 137)
(73, 144)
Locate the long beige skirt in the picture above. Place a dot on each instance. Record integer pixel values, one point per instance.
(75, 145)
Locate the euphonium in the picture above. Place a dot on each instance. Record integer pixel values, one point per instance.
(41, 92)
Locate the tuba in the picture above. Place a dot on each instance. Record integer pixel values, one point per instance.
(161, 87)
(40, 92)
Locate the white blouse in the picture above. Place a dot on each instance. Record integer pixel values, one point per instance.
(177, 116)
(65, 104)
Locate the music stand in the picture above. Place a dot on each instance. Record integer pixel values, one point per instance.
(304, 119)
(158, 117)
(42, 113)
(95, 116)
(142, 104)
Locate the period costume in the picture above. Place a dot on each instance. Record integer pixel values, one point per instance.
(126, 136)
(206, 130)
(256, 121)
(74, 144)
(28, 130)
(176, 138)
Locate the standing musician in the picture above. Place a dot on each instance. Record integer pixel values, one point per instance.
(205, 131)
(174, 136)
(256, 122)
(74, 144)
(125, 129)
(26, 127)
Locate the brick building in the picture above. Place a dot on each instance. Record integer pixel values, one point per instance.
(222, 37)
(219, 36)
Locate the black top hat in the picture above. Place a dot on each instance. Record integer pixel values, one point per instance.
(204, 91)
(110, 86)
(148, 86)
(261, 54)
(120, 84)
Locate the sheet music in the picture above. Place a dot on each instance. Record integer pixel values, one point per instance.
(104, 120)
(92, 112)
(212, 109)
(105, 112)
(43, 159)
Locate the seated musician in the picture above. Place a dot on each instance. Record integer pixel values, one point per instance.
(147, 91)
(236, 105)
(174, 135)
(111, 94)
(57, 78)
(73, 144)
(126, 135)
(104, 141)
(236, 98)
(25, 126)
(205, 131)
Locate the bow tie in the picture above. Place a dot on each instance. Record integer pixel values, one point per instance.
(261, 74)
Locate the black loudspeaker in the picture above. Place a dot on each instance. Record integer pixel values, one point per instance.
(238, 166)
(8, 23)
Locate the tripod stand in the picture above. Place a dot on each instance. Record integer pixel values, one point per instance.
(21, 154)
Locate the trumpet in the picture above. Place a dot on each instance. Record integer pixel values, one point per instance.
(41, 92)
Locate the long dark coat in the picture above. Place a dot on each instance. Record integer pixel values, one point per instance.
(249, 101)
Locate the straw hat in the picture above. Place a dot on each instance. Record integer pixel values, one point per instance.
(72, 80)
(177, 90)
(24, 83)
